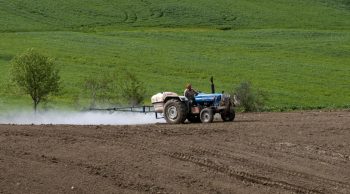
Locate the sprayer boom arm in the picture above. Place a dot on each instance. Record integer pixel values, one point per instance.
(139, 109)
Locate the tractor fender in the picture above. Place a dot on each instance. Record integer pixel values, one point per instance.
(181, 98)
(159, 100)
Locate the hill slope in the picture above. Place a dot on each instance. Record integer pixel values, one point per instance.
(29, 15)
(296, 50)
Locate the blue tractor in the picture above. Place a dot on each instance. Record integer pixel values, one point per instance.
(177, 109)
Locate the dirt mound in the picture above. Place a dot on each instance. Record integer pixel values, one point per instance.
(303, 152)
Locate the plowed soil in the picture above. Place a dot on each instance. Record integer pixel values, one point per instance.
(299, 152)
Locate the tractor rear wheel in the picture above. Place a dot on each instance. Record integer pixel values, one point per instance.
(207, 115)
(228, 116)
(175, 111)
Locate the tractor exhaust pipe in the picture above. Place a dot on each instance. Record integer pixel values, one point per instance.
(212, 85)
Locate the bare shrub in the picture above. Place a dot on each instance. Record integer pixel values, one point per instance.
(249, 98)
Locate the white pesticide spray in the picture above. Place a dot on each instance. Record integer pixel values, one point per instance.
(79, 118)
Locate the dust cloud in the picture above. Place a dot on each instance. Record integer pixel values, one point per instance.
(79, 118)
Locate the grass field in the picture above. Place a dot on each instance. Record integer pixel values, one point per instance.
(297, 51)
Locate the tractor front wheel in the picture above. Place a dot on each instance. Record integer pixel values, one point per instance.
(175, 111)
(207, 115)
(228, 116)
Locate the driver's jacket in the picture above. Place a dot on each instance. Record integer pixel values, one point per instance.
(190, 94)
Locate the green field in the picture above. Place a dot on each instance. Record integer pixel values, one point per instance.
(296, 51)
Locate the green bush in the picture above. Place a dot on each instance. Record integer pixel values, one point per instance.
(250, 99)
(132, 89)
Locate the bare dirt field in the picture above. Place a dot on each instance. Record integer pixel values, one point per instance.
(299, 152)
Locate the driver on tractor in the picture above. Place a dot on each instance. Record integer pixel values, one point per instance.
(190, 93)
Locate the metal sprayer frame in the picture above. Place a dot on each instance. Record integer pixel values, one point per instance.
(136, 109)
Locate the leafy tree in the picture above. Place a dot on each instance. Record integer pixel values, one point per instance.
(36, 75)
(249, 98)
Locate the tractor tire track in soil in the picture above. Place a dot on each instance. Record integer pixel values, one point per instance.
(243, 176)
(267, 167)
(230, 171)
(299, 152)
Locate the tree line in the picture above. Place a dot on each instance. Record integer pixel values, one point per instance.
(37, 75)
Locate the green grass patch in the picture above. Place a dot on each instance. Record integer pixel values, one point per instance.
(297, 51)
(296, 67)
(47, 15)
